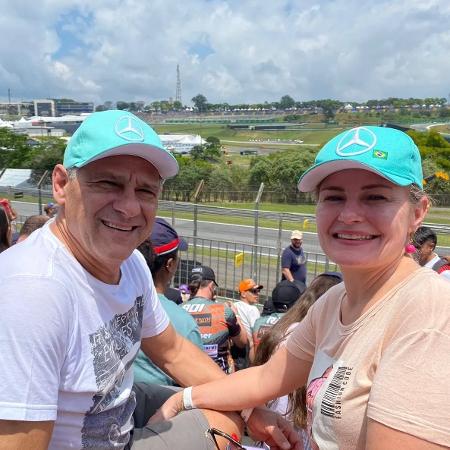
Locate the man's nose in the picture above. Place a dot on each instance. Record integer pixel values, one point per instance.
(127, 203)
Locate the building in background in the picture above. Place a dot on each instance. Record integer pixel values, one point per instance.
(181, 143)
(61, 107)
(16, 108)
(66, 107)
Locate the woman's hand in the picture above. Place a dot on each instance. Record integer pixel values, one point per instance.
(171, 407)
(269, 427)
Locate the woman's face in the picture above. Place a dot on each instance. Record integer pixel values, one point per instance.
(364, 220)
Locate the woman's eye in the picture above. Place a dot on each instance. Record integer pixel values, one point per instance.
(376, 197)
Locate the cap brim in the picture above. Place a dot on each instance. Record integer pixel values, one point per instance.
(311, 179)
(163, 161)
(183, 245)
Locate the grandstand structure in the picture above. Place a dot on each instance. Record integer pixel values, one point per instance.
(181, 143)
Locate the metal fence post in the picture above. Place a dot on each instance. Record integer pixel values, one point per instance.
(173, 214)
(40, 182)
(255, 240)
(196, 196)
(279, 244)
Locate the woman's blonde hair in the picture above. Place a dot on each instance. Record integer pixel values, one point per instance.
(279, 332)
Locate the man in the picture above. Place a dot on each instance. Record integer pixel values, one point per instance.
(248, 313)
(31, 224)
(293, 260)
(50, 210)
(161, 255)
(77, 303)
(425, 241)
(284, 295)
(10, 211)
(217, 321)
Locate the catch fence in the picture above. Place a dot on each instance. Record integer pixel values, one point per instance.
(233, 261)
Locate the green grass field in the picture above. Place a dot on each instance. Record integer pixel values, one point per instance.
(317, 135)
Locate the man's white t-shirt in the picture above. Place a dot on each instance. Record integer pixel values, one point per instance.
(68, 342)
(430, 264)
(248, 315)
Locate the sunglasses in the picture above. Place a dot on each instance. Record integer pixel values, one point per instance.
(254, 291)
(232, 441)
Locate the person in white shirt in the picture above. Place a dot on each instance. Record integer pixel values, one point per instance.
(248, 313)
(78, 302)
(425, 241)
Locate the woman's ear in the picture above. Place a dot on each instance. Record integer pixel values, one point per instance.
(60, 178)
(172, 265)
(420, 211)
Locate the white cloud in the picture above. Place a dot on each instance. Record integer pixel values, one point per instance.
(233, 51)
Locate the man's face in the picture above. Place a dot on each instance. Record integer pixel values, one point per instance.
(110, 208)
(296, 243)
(251, 296)
(213, 290)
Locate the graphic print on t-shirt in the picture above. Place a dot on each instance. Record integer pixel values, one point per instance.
(113, 354)
(326, 384)
(213, 321)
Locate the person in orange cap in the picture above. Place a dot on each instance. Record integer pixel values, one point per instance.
(248, 313)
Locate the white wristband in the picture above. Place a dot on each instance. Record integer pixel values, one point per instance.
(246, 413)
(187, 398)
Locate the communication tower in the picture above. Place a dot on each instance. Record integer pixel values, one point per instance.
(178, 91)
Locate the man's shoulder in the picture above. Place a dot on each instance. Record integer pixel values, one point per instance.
(177, 314)
(432, 262)
(200, 300)
(38, 257)
(263, 320)
(242, 306)
(135, 271)
(172, 309)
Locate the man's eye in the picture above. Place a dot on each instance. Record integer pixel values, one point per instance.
(148, 192)
(106, 183)
(332, 198)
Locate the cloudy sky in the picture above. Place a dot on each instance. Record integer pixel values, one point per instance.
(228, 50)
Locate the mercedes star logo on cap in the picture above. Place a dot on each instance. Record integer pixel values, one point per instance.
(353, 136)
(128, 128)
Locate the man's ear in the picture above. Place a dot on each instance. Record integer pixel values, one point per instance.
(60, 178)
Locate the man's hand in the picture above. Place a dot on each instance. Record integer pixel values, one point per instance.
(269, 427)
(170, 408)
(263, 425)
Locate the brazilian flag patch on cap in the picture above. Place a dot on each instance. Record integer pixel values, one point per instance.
(380, 154)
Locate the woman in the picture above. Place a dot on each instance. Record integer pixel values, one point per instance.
(5, 230)
(373, 350)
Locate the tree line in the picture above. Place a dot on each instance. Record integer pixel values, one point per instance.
(279, 171)
(285, 103)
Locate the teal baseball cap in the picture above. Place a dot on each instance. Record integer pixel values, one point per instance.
(113, 133)
(387, 152)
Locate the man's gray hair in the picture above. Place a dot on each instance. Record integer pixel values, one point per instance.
(72, 173)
